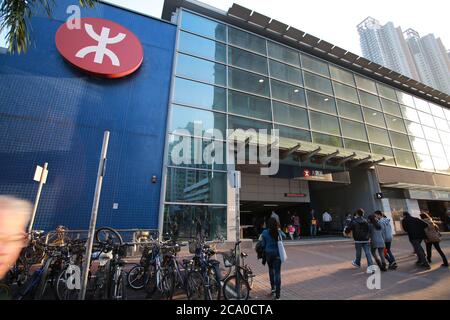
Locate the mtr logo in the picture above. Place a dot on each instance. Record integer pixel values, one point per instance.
(100, 47)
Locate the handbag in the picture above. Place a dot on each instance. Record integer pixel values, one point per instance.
(281, 250)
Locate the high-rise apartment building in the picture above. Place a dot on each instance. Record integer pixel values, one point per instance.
(386, 46)
(421, 58)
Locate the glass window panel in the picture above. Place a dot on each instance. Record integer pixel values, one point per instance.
(349, 110)
(324, 123)
(395, 123)
(356, 145)
(200, 69)
(431, 134)
(424, 161)
(419, 145)
(366, 84)
(249, 82)
(321, 102)
(436, 110)
(318, 83)
(284, 72)
(342, 75)
(404, 158)
(176, 157)
(249, 105)
(202, 47)
(441, 124)
(447, 113)
(245, 124)
(288, 93)
(422, 105)
(199, 95)
(426, 119)
(445, 137)
(382, 150)
(414, 129)
(441, 164)
(184, 218)
(436, 149)
(345, 92)
(246, 40)
(317, 66)
(369, 100)
(386, 92)
(374, 117)
(196, 186)
(355, 130)
(283, 53)
(410, 114)
(391, 107)
(185, 118)
(405, 99)
(246, 60)
(292, 133)
(378, 136)
(287, 114)
(203, 26)
(399, 140)
(327, 140)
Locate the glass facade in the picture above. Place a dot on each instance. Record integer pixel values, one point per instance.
(230, 78)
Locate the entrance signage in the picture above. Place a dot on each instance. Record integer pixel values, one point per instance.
(100, 47)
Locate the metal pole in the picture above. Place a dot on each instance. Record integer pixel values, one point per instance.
(92, 226)
(238, 247)
(38, 197)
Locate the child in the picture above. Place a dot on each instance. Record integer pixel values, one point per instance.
(291, 229)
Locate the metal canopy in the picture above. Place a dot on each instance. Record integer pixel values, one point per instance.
(410, 186)
(275, 30)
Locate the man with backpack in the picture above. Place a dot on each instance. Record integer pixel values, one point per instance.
(359, 227)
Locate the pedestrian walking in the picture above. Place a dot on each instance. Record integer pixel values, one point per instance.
(385, 223)
(326, 219)
(433, 238)
(296, 222)
(291, 230)
(377, 242)
(269, 243)
(360, 231)
(416, 233)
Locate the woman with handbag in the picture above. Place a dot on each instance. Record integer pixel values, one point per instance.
(271, 241)
(433, 238)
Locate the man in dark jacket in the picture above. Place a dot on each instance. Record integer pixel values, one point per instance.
(416, 233)
(360, 229)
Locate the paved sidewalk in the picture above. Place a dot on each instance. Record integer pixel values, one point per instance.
(324, 271)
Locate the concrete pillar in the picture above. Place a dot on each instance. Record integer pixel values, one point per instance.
(231, 210)
(386, 208)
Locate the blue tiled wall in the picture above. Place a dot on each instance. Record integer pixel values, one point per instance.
(51, 112)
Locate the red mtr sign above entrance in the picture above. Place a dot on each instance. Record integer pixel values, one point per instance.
(100, 47)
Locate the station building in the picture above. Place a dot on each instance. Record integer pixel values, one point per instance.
(352, 134)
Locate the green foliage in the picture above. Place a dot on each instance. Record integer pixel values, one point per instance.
(15, 17)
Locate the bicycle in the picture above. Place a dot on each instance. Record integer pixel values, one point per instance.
(237, 286)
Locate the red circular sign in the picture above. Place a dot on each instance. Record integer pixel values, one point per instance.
(100, 47)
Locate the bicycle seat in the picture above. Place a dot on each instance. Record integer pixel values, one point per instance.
(244, 255)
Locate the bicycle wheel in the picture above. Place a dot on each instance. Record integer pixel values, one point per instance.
(108, 235)
(118, 288)
(43, 281)
(137, 277)
(167, 284)
(151, 284)
(195, 287)
(213, 287)
(64, 290)
(232, 290)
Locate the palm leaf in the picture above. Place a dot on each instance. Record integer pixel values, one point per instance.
(15, 16)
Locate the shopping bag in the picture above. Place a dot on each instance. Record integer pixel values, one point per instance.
(281, 250)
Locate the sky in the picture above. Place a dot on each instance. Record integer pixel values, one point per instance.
(335, 20)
